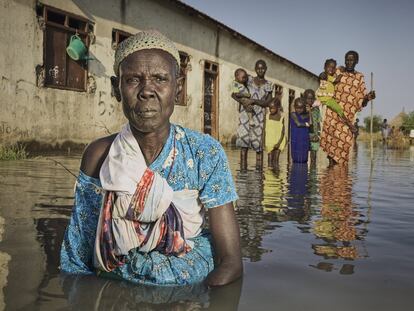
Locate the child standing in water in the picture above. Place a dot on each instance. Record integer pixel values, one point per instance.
(325, 92)
(299, 130)
(315, 124)
(275, 139)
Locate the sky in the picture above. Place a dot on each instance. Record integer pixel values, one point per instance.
(307, 32)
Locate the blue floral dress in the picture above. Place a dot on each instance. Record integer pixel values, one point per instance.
(190, 160)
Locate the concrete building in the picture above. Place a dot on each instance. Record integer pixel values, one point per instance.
(47, 97)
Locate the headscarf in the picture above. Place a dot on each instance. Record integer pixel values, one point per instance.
(145, 40)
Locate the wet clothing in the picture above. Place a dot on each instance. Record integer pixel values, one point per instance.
(250, 134)
(189, 160)
(299, 141)
(140, 210)
(273, 134)
(325, 94)
(315, 129)
(337, 139)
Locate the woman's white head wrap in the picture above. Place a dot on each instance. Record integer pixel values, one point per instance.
(145, 40)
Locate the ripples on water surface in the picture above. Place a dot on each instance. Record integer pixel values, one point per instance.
(321, 239)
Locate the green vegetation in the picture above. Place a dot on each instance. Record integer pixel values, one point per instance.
(408, 122)
(376, 123)
(12, 152)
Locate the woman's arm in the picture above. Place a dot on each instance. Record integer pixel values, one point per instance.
(244, 101)
(76, 254)
(370, 96)
(263, 102)
(226, 242)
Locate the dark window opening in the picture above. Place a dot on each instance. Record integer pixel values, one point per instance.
(278, 89)
(77, 24)
(211, 67)
(291, 96)
(55, 17)
(210, 105)
(118, 36)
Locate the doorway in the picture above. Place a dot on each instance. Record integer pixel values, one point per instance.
(210, 107)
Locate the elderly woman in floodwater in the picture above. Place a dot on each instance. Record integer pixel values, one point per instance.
(141, 193)
(350, 93)
(250, 134)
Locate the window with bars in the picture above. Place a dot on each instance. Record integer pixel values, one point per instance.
(278, 90)
(118, 36)
(61, 71)
(184, 60)
(211, 67)
(291, 96)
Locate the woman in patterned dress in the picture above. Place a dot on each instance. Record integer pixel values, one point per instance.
(350, 93)
(250, 134)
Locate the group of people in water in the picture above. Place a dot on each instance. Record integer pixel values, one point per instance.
(323, 118)
(142, 194)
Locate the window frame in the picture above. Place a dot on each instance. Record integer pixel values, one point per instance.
(278, 87)
(116, 33)
(184, 68)
(83, 32)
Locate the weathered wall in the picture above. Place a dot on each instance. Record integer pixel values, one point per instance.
(46, 114)
(53, 115)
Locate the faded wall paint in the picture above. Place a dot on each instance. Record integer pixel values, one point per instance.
(53, 115)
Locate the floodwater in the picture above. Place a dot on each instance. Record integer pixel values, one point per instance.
(312, 239)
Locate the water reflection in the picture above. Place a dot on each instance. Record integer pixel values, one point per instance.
(298, 196)
(249, 185)
(312, 217)
(91, 293)
(339, 223)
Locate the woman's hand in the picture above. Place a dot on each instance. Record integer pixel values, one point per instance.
(224, 274)
(370, 96)
(226, 242)
(247, 104)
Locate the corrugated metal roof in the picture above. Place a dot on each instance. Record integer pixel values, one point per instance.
(237, 34)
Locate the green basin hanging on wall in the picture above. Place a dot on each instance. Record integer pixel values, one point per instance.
(77, 49)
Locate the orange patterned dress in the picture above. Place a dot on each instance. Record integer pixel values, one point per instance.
(337, 139)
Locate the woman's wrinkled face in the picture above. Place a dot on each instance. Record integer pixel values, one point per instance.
(350, 62)
(260, 69)
(148, 86)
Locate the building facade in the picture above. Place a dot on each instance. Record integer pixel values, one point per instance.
(46, 96)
